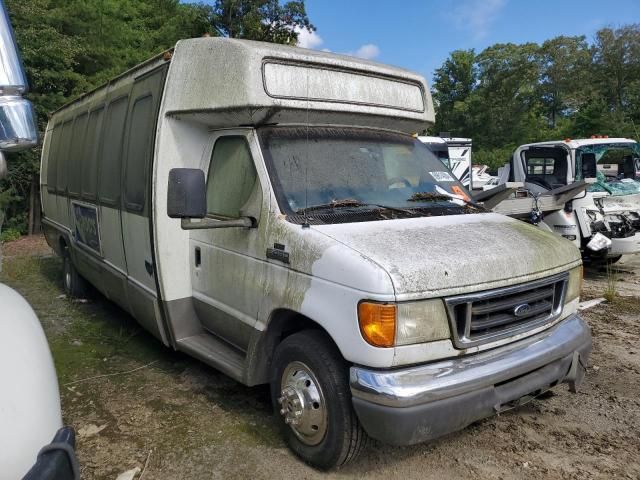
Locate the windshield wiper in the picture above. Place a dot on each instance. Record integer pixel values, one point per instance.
(351, 203)
(437, 197)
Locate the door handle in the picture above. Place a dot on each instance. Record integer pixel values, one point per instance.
(148, 267)
(197, 257)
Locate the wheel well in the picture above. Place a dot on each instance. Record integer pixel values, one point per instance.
(282, 324)
(63, 244)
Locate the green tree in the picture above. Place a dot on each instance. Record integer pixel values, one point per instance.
(564, 76)
(453, 84)
(263, 20)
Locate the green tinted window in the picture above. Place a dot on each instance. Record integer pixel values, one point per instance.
(75, 154)
(62, 157)
(232, 177)
(90, 152)
(138, 152)
(111, 160)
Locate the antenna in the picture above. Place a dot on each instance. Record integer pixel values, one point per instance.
(306, 163)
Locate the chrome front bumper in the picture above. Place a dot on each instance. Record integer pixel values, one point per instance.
(418, 403)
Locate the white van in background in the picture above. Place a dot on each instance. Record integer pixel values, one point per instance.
(455, 153)
(267, 210)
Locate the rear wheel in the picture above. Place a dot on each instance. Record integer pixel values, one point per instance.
(74, 284)
(312, 400)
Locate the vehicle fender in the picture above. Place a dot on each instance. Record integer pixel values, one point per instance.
(30, 412)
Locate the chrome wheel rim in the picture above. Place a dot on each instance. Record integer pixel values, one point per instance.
(302, 403)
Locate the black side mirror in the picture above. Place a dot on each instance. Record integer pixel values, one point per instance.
(589, 165)
(187, 193)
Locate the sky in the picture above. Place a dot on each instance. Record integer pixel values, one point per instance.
(420, 34)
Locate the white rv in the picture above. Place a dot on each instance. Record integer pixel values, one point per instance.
(609, 208)
(267, 210)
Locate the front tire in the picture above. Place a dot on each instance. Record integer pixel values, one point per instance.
(312, 400)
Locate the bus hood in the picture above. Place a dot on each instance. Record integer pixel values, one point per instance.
(447, 255)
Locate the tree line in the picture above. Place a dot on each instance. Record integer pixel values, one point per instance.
(568, 87)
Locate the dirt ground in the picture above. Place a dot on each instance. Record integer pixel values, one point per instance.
(134, 402)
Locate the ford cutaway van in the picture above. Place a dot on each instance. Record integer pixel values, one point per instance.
(267, 210)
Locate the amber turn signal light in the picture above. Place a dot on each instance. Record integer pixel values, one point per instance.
(378, 323)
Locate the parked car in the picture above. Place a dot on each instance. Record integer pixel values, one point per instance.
(267, 210)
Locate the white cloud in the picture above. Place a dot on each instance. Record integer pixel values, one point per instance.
(307, 39)
(367, 51)
(477, 16)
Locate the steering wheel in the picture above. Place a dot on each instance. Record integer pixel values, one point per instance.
(394, 180)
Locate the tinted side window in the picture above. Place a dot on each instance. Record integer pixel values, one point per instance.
(52, 163)
(62, 157)
(111, 160)
(75, 155)
(232, 177)
(90, 152)
(138, 152)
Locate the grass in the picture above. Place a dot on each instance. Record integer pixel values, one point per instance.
(611, 291)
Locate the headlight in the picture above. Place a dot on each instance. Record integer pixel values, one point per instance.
(574, 284)
(388, 325)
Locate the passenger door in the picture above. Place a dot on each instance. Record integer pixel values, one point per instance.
(136, 175)
(228, 263)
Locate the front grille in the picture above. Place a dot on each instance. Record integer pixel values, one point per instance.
(493, 314)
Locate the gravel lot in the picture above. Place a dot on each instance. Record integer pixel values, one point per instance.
(187, 421)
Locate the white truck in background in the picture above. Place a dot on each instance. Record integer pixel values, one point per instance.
(34, 445)
(601, 216)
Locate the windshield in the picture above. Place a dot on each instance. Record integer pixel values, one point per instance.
(618, 167)
(335, 174)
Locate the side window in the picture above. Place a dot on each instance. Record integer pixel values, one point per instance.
(232, 177)
(52, 163)
(138, 151)
(90, 151)
(111, 158)
(62, 157)
(75, 154)
(541, 166)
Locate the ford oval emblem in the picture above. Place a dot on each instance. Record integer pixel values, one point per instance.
(521, 310)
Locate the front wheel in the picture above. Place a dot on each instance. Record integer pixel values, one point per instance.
(312, 400)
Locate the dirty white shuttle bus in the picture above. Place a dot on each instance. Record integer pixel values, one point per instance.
(267, 210)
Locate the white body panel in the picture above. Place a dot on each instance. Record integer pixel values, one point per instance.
(30, 409)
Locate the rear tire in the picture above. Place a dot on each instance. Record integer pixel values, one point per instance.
(312, 401)
(74, 285)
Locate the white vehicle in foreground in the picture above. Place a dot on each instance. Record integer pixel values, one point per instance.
(34, 445)
(267, 210)
(609, 208)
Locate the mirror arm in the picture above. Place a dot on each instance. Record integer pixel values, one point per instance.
(206, 223)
